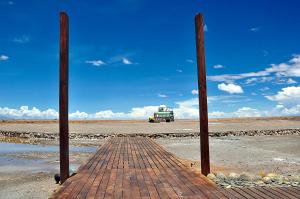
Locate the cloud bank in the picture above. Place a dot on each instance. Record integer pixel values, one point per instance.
(288, 69)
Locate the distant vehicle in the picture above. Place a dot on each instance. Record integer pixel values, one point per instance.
(164, 114)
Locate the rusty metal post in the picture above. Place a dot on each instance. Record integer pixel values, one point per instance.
(204, 142)
(63, 98)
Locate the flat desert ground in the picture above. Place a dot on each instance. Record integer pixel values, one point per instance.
(143, 127)
(272, 146)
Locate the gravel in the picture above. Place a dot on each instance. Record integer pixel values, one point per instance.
(249, 180)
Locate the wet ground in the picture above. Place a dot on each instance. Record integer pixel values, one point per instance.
(279, 154)
(24, 168)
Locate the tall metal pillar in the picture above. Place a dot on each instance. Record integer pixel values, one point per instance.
(204, 142)
(63, 97)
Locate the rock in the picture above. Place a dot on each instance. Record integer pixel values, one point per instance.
(211, 176)
(267, 180)
(272, 175)
(224, 184)
(262, 174)
(260, 182)
(221, 176)
(246, 177)
(233, 176)
(286, 182)
(227, 187)
(295, 184)
(257, 178)
(295, 179)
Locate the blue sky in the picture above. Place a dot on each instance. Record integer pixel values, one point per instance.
(129, 56)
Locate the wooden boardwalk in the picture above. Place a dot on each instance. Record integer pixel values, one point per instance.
(138, 167)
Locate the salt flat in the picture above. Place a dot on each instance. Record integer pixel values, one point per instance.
(143, 127)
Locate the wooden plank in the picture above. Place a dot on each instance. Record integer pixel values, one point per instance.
(252, 189)
(152, 192)
(268, 193)
(174, 180)
(94, 187)
(154, 175)
(284, 193)
(68, 185)
(181, 181)
(291, 191)
(138, 167)
(248, 193)
(162, 172)
(206, 186)
(101, 191)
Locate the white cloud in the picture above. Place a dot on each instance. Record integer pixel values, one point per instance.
(289, 96)
(25, 113)
(265, 53)
(247, 112)
(254, 29)
(279, 110)
(227, 99)
(195, 92)
(240, 112)
(264, 88)
(291, 81)
(126, 61)
(205, 28)
(282, 80)
(179, 71)
(189, 61)
(108, 114)
(289, 69)
(23, 39)
(251, 80)
(254, 80)
(78, 115)
(217, 114)
(218, 66)
(282, 110)
(187, 109)
(230, 88)
(3, 58)
(95, 62)
(10, 3)
(162, 95)
(134, 113)
(142, 112)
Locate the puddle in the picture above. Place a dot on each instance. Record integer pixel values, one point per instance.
(24, 148)
(17, 157)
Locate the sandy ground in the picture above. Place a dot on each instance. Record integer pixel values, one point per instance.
(278, 154)
(179, 126)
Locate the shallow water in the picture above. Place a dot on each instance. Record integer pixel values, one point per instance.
(17, 157)
(24, 148)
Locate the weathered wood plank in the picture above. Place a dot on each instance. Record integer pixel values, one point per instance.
(136, 167)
